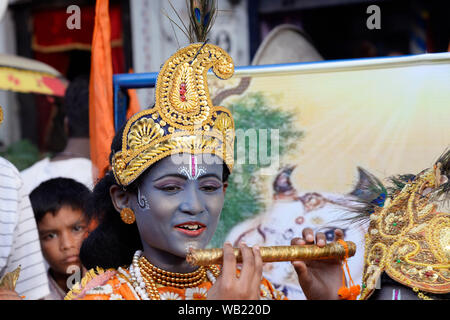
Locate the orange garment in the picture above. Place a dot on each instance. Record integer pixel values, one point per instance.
(115, 285)
(101, 113)
(133, 106)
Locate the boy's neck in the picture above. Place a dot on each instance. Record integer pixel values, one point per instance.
(60, 279)
(75, 148)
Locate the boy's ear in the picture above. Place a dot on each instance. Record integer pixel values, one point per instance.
(225, 186)
(119, 197)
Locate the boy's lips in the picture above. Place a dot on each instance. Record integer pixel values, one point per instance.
(191, 228)
(71, 259)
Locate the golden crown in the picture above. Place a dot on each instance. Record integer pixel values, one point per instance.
(183, 119)
(409, 239)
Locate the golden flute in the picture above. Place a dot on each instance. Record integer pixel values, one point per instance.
(335, 250)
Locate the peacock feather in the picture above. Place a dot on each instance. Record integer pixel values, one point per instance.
(368, 194)
(372, 194)
(202, 14)
(399, 181)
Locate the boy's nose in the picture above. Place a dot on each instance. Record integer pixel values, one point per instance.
(67, 241)
(192, 203)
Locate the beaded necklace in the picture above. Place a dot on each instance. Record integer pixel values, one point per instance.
(145, 276)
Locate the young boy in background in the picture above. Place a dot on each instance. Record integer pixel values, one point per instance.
(63, 224)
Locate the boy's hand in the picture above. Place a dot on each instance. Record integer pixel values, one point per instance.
(7, 294)
(321, 279)
(246, 285)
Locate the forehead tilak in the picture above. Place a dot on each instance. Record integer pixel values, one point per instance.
(194, 171)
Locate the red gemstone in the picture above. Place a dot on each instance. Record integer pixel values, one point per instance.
(182, 91)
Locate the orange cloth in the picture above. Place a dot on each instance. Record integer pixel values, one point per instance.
(133, 106)
(134, 103)
(101, 114)
(113, 285)
(120, 289)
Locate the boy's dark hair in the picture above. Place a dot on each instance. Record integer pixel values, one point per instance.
(76, 107)
(52, 195)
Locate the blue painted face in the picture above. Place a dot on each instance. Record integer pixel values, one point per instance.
(178, 205)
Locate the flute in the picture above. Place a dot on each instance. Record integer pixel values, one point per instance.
(334, 250)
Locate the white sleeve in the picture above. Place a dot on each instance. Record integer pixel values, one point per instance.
(21, 239)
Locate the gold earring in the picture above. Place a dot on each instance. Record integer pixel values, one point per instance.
(127, 215)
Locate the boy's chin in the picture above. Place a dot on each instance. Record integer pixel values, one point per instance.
(70, 268)
(182, 251)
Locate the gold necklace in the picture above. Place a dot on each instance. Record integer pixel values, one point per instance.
(151, 275)
(171, 279)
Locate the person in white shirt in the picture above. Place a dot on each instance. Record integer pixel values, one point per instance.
(19, 240)
(74, 162)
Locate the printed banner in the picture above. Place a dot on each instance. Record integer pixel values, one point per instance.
(308, 133)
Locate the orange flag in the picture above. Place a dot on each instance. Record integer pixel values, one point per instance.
(101, 111)
(133, 106)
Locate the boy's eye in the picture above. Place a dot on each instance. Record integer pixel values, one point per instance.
(78, 228)
(209, 188)
(170, 188)
(210, 185)
(49, 236)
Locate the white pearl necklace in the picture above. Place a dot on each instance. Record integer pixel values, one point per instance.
(136, 278)
(138, 282)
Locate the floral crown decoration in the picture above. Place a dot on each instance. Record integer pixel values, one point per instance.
(408, 238)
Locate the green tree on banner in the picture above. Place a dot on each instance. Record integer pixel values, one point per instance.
(243, 198)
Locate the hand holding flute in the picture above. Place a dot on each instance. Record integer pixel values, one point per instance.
(319, 279)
